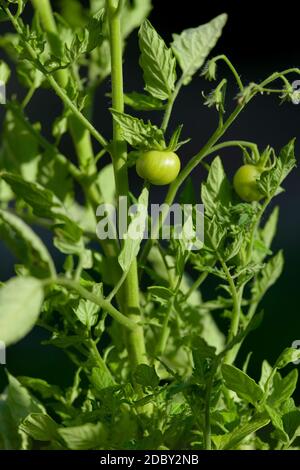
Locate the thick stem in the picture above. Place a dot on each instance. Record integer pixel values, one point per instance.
(131, 304)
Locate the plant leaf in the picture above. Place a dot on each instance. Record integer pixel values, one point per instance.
(25, 244)
(193, 45)
(135, 233)
(85, 437)
(138, 133)
(20, 304)
(20, 402)
(241, 384)
(283, 388)
(146, 376)
(216, 189)
(40, 427)
(142, 102)
(268, 275)
(234, 438)
(157, 62)
(288, 356)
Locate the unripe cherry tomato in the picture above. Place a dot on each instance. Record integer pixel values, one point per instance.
(245, 182)
(159, 167)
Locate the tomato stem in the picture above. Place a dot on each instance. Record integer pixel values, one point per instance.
(131, 304)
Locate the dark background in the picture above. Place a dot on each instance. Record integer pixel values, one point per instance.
(259, 38)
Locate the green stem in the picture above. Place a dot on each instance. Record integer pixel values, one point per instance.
(196, 285)
(131, 305)
(207, 421)
(28, 96)
(206, 150)
(165, 332)
(103, 303)
(174, 187)
(232, 68)
(69, 104)
(170, 104)
(99, 359)
(235, 143)
(236, 302)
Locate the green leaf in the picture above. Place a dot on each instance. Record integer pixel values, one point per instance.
(270, 181)
(214, 234)
(101, 378)
(288, 356)
(21, 155)
(87, 39)
(146, 376)
(20, 304)
(160, 294)
(3, 16)
(40, 427)
(139, 134)
(216, 189)
(268, 275)
(234, 438)
(55, 176)
(291, 423)
(269, 230)
(203, 356)
(25, 244)
(266, 370)
(87, 311)
(241, 384)
(135, 234)
(283, 388)
(157, 62)
(175, 143)
(9, 437)
(193, 45)
(142, 102)
(20, 402)
(42, 201)
(41, 387)
(85, 437)
(277, 422)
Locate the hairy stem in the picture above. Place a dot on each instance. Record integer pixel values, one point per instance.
(232, 68)
(131, 304)
(101, 302)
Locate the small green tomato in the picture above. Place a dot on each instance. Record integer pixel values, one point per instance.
(159, 167)
(245, 182)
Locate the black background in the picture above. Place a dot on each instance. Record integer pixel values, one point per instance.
(260, 38)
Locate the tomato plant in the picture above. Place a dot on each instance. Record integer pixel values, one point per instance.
(153, 368)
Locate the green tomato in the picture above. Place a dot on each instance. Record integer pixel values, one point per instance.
(245, 182)
(159, 167)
